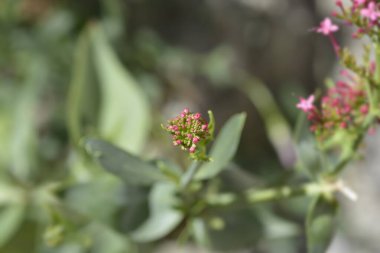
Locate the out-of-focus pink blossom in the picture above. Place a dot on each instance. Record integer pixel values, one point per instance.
(192, 149)
(371, 12)
(306, 105)
(359, 2)
(326, 27)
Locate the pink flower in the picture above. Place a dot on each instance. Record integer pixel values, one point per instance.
(372, 67)
(306, 105)
(359, 2)
(364, 109)
(192, 149)
(197, 115)
(371, 12)
(326, 27)
(195, 140)
(371, 131)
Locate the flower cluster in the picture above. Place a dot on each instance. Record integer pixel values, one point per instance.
(190, 131)
(364, 14)
(344, 106)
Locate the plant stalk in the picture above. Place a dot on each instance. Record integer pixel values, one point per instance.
(255, 196)
(285, 192)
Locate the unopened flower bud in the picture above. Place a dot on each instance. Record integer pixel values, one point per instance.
(192, 149)
(197, 116)
(195, 140)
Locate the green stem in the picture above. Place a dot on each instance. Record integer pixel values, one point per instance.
(355, 145)
(185, 234)
(255, 196)
(190, 173)
(369, 95)
(309, 189)
(377, 73)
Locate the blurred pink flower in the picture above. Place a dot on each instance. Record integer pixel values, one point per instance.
(371, 12)
(306, 105)
(359, 2)
(326, 27)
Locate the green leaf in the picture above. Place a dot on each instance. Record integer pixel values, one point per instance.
(22, 240)
(108, 192)
(11, 218)
(309, 157)
(107, 240)
(54, 235)
(211, 123)
(232, 230)
(136, 208)
(320, 224)
(124, 115)
(171, 170)
(124, 165)
(200, 233)
(163, 217)
(24, 141)
(277, 128)
(10, 193)
(224, 148)
(82, 103)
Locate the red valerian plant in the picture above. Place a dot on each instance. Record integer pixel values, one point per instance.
(339, 119)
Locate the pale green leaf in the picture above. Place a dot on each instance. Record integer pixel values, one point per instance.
(24, 130)
(320, 224)
(108, 240)
(200, 233)
(211, 124)
(82, 109)
(224, 148)
(163, 217)
(124, 115)
(124, 165)
(80, 198)
(11, 218)
(277, 128)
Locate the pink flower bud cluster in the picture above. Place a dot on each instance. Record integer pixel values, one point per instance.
(188, 130)
(344, 106)
(364, 14)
